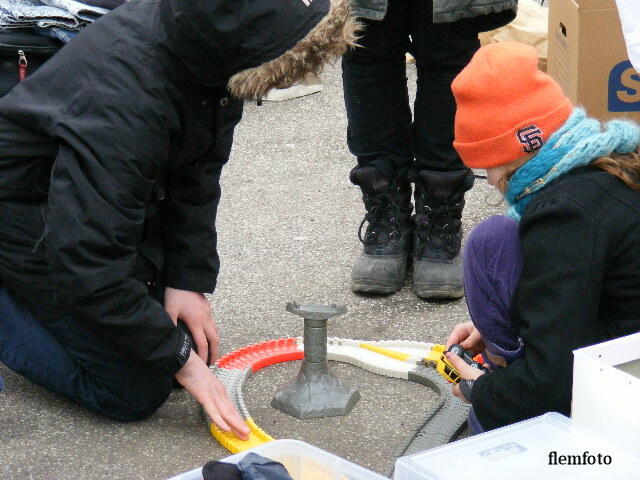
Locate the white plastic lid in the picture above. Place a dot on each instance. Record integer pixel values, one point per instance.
(548, 447)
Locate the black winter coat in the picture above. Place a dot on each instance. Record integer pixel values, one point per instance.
(110, 158)
(580, 285)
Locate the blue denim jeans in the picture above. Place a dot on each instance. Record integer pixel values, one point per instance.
(381, 131)
(67, 358)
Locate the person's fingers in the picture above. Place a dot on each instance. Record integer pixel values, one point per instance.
(173, 312)
(459, 333)
(202, 348)
(466, 371)
(453, 339)
(217, 419)
(457, 363)
(214, 339)
(210, 392)
(228, 412)
(237, 425)
(472, 340)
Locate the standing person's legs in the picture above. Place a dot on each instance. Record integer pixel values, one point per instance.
(492, 267)
(376, 95)
(69, 359)
(441, 52)
(379, 135)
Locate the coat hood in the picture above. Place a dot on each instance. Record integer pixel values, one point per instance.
(256, 45)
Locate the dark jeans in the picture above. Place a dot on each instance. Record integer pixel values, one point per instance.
(380, 131)
(66, 357)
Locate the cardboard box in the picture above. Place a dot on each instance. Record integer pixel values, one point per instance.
(588, 57)
(530, 27)
(606, 390)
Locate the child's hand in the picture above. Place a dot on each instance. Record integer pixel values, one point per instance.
(467, 336)
(466, 371)
(210, 392)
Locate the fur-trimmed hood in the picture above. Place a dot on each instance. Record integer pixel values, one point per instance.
(256, 45)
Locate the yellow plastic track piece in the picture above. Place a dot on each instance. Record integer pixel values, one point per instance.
(386, 352)
(228, 440)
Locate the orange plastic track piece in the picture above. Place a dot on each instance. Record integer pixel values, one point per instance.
(277, 358)
(260, 355)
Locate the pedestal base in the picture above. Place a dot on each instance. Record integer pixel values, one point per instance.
(315, 393)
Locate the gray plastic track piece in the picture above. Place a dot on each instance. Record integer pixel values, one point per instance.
(447, 420)
(233, 380)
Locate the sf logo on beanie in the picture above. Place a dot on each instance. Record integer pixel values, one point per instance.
(531, 138)
(307, 2)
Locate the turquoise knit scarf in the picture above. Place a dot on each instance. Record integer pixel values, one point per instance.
(578, 142)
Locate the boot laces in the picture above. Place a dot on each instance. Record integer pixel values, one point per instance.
(383, 211)
(435, 220)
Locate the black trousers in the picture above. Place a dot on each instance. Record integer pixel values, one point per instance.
(381, 131)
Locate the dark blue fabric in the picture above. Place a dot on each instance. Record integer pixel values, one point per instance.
(215, 470)
(380, 127)
(474, 423)
(257, 467)
(492, 266)
(65, 357)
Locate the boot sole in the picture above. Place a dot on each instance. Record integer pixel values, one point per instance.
(381, 275)
(363, 286)
(436, 280)
(439, 292)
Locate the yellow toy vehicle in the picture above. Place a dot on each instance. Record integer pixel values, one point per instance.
(437, 358)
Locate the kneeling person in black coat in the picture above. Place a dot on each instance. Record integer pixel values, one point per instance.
(110, 158)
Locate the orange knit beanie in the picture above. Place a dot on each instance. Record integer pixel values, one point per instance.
(506, 107)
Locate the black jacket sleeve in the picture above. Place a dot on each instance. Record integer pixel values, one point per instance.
(555, 310)
(190, 207)
(99, 189)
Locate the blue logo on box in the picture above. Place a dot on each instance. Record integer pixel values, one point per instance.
(624, 88)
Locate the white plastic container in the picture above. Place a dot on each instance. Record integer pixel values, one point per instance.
(606, 390)
(303, 462)
(523, 451)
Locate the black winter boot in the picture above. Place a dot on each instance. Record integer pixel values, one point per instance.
(382, 266)
(438, 235)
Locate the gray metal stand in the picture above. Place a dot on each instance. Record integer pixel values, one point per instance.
(315, 392)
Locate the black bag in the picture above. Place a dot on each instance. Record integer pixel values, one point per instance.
(21, 53)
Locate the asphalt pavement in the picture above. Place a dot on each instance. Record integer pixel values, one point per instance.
(287, 226)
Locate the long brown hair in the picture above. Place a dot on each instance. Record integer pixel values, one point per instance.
(625, 166)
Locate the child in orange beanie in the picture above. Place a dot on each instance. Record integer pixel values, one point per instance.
(561, 269)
